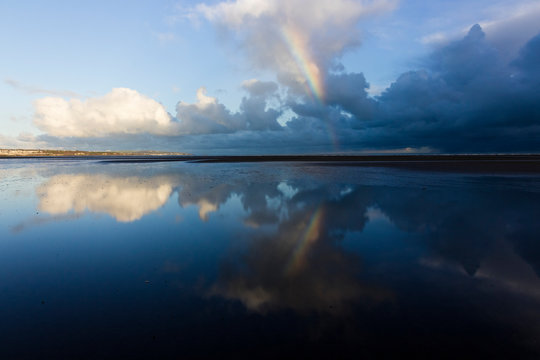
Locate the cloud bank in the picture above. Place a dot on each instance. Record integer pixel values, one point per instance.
(122, 111)
(467, 99)
(208, 116)
(466, 96)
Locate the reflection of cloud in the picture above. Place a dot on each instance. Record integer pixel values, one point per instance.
(464, 227)
(124, 198)
(506, 269)
(40, 221)
(209, 193)
(501, 268)
(207, 196)
(205, 208)
(294, 259)
(300, 267)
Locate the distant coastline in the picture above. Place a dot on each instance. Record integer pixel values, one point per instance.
(16, 153)
(468, 163)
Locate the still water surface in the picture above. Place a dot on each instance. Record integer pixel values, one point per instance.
(169, 260)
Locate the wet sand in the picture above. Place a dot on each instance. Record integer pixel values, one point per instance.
(492, 163)
(452, 163)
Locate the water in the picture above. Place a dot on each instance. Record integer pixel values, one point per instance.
(169, 260)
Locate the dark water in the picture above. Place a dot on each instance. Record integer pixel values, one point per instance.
(183, 260)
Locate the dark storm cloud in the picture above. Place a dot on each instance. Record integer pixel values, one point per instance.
(349, 92)
(463, 99)
(466, 97)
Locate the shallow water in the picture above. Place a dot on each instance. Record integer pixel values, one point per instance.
(108, 260)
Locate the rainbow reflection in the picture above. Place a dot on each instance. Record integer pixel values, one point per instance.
(309, 236)
(297, 46)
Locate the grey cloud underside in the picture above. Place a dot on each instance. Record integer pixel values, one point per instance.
(465, 98)
(208, 116)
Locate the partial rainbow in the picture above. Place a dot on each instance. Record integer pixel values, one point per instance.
(310, 234)
(298, 49)
(333, 136)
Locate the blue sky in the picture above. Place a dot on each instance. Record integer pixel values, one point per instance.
(280, 76)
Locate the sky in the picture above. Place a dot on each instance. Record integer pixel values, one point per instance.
(271, 76)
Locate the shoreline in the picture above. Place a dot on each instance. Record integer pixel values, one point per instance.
(38, 153)
(157, 155)
(485, 163)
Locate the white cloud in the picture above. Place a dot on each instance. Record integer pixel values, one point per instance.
(296, 38)
(309, 17)
(233, 13)
(122, 111)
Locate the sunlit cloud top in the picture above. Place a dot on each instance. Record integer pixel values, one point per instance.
(295, 38)
(120, 111)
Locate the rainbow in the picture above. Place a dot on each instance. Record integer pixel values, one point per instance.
(297, 46)
(309, 236)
